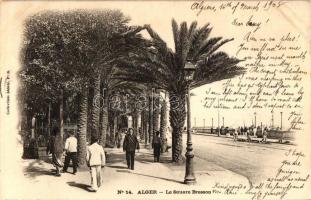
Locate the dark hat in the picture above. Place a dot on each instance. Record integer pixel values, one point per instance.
(94, 138)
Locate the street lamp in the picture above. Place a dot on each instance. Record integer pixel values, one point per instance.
(189, 70)
(255, 118)
(272, 120)
(281, 120)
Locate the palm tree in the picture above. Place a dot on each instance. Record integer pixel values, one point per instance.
(163, 121)
(121, 43)
(132, 91)
(156, 111)
(164, 68)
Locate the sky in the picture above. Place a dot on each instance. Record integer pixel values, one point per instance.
(159, 16)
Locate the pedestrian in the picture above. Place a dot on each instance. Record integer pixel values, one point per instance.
(265, 135)
(235, 135)
(71, 153)
(239, 131)
(130, 144)
(156, 144)
(96, 160)
(55, 147)
(118, 139)
(248, 135)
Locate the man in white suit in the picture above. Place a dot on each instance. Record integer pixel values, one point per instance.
(96, 160)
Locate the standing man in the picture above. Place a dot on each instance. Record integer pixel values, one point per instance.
(71, 153)
(156, 144)
(130, 144)
(235, 135)
(118, 139)
(265, 135)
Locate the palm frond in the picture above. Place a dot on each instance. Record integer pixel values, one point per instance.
(192, 30)
(199, 36)
(145, 71)
(133, 30)
(175, 30)
(159, 43)
(208, 44)
(219, 66)
(233, 72)
(215, 48)
(184, 45)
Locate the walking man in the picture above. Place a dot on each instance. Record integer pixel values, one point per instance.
(96, 160)
(130, 144)
(156, 144)
(55, 147)
(71, 153)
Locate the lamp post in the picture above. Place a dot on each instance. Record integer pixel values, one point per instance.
(272, 120)
(189, 70)
(212, 125)
(281, 120)
(218, 120)
(255, 119)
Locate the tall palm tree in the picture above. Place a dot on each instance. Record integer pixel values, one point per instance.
(156, 112)
(120, 44)
(163, 121)
(82, 126)
(164, 68)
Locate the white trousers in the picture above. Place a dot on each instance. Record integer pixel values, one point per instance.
(96, 177)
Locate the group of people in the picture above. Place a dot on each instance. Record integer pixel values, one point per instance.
(95, 156)
(251, 131)
(131, 144)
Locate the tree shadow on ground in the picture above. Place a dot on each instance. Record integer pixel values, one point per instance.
(115, 158)
(80, 185)
(118, 167)
(37, 168)
(150, 176)
(147, 157)
(123, 170)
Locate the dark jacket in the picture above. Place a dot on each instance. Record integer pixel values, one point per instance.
(55, 145)
(130, 143)
(156, 141)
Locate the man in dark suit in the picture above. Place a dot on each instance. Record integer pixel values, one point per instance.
(130, 144)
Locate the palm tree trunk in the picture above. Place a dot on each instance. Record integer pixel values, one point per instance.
(90, 109)
(145, 130)
(96, 107)
(135, 122)
(150, 132)
(156, 112)
(113, 129)
(163, 123)
(111, 120)
(49, 120)
(82, 127)
(104, 117)
(142, 126)
(177, 121)
(61, 114)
